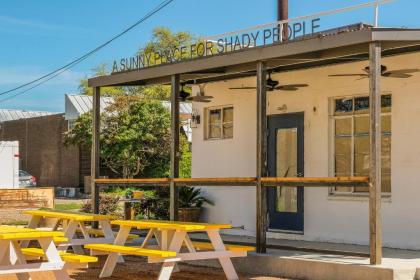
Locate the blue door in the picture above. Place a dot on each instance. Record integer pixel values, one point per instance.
(286, 159)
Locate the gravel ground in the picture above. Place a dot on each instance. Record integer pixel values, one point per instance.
(137, 269)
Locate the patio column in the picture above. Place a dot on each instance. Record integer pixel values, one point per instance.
(94, 163)
(173, 201)
(375, 190)
(261, 156)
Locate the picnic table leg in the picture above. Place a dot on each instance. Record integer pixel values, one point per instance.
(4, 251)
(109, 234)
(225, 262)
(70, 232)
(16, 257)
(149, 236)
(52, 255)
(33, 223)
(112, 258)
(175, 245)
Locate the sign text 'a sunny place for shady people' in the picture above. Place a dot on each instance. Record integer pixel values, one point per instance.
(225, 44)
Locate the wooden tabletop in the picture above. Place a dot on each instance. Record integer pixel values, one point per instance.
(147, 224)
(81, 217)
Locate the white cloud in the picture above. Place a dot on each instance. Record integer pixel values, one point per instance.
(18, 75)
(28, 23)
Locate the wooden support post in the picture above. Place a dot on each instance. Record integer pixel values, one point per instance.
(375, 190)
(261, 156)
(94, 163)
(173, 204)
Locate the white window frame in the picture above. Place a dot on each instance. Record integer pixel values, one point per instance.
(207, 122)
(333, 117)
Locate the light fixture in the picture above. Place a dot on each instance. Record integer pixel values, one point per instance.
(195, 119)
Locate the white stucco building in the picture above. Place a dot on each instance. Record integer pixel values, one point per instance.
(333, 113)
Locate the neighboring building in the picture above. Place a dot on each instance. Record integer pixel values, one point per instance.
(40, 136)
(41, 149)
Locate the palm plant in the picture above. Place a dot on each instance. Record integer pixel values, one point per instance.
(190, 197)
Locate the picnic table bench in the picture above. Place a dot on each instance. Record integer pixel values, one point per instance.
(13, 258)
(73, 223)
(174, 245)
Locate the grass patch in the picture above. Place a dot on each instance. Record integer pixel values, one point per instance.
(68, 206)
(15, 223)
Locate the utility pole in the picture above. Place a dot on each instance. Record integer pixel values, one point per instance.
(282, 9)
(283, 14)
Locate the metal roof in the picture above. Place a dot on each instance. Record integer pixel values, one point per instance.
(12, 114)
(76, 105)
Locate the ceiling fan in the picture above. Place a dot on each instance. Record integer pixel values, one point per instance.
(200, 97)
(401, 73)
(273, 85)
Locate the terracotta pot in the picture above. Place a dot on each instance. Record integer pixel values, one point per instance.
(189, 214)
(138, 194)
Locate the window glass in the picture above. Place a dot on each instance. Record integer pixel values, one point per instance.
(228, 114)
(343, 126)
(352, 140)
(220, 123)
(215, 118)
(344, 105)
(361, 103)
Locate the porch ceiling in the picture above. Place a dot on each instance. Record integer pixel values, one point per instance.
(317, 51)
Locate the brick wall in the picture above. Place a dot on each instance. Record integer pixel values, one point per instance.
(41, 150)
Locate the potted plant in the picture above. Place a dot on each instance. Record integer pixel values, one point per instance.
(190, 204)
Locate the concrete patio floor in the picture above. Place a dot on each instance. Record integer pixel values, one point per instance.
(310, 264)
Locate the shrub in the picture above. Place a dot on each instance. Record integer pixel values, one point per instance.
(108, 205)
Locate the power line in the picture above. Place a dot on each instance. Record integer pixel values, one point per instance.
(60, 70)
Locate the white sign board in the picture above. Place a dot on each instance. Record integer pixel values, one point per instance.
(9, 164)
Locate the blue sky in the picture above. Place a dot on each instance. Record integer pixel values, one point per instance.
(39, 36)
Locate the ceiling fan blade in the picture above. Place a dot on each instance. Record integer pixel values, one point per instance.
(286, 88)
(243, 88)
(200, 98)
(397, 75)
(349, 75)
(403, 71)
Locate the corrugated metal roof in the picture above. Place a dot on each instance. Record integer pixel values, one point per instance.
(76, 105)
(12, 114)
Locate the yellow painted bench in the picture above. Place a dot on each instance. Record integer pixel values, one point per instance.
(128, 250)
(65, 256)
(100, 233)
(229, 247)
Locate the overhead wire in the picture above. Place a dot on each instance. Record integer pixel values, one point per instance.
(64, 68)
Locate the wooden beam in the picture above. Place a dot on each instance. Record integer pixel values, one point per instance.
(261, 156)
(94, 163)
(375, 223)
(175, 154)
(243, 181)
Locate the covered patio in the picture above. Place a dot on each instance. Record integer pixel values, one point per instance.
(348, 44)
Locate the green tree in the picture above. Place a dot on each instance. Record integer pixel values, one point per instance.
(100, 70)
(135, 133)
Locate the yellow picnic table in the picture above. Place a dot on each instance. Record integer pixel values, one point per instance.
(12, 260)
(171, 237)
(72, 223)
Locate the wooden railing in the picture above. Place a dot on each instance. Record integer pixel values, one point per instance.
(243, 181)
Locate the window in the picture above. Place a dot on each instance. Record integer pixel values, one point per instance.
(220, 122)
(352, 141)
(71, 124)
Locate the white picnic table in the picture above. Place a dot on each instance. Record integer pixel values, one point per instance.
(72, 224)
(171, 238)
(13, 261)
